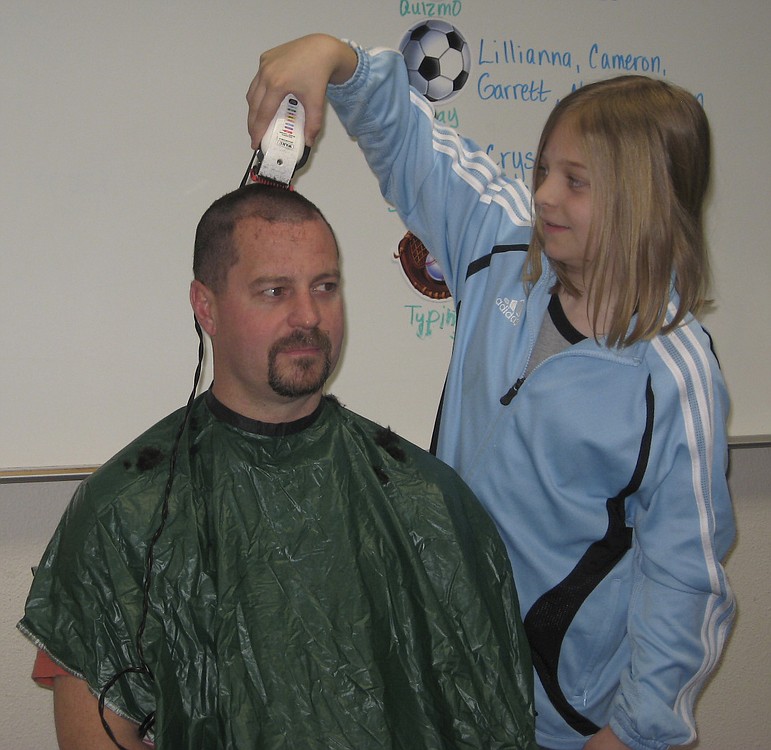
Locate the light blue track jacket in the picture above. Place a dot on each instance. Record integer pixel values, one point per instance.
(605, 473)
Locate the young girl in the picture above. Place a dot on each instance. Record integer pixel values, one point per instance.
(583, 403)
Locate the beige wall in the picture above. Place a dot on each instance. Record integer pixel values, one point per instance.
(119, 128)
(733, 713)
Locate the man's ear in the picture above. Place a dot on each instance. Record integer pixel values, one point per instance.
(203, 304)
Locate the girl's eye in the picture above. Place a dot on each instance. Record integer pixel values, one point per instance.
(576, 182)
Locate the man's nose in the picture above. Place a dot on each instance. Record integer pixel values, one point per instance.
(305, 311)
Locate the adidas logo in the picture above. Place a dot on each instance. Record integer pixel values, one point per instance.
(512, 309)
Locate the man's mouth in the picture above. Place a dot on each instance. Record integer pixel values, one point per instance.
(303, 344)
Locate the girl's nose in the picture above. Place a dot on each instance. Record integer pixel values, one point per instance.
(545, 194)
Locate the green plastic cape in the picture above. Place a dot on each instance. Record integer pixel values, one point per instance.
(324, 585)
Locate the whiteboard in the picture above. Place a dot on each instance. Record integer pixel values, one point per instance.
(121, 122)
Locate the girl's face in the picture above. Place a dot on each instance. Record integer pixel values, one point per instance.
(563, 201)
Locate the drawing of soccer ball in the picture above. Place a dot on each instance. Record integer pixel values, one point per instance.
(438, 59)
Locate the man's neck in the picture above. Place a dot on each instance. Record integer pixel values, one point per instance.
(275, 411)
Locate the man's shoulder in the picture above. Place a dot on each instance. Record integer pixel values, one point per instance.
(143, 463)
(398, 449)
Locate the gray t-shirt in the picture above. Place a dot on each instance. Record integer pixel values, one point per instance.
(556, 334)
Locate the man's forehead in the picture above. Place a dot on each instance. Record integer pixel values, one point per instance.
(255, 227)
(258, 224)
(280, 246)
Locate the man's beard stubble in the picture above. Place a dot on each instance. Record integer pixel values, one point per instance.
(301, 381)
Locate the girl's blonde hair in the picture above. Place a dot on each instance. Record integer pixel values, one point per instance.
(647, 146)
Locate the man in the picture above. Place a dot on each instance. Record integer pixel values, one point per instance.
(308, 579)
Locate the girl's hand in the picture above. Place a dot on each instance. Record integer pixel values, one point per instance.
(302, 67)
(605, 739)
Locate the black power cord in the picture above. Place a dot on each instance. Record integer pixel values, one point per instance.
(143, 667)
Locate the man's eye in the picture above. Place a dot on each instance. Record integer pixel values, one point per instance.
(274, 291)
(327, 286)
